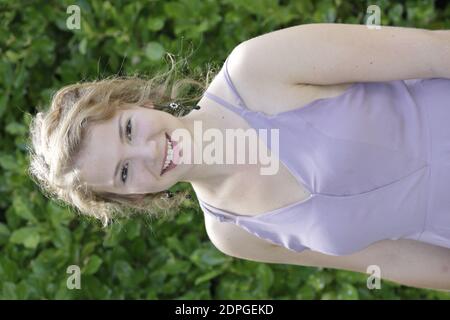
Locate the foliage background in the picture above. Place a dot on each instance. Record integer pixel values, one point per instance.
(138, 258)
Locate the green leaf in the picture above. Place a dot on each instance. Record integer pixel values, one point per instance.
(57, 215)
(265, 276)
(154, 51)
(123, 271)
(156, 23)
(32, 241)
(306, 292)
(329, 296)
(4, 233)
(175, 244)
(64, 293)
(93, 265)
(208, 276)
(8, 269)
(317, 281)
(347, 292)
(113, 236)
(9, 291)
(62, 237)
(28, 236)
(88, 249)
(82, 46)
(22, 290)
(208, 257)
(4, 100)
(22, 208)
(16, 128)
(8, 162)
(395, 13)
(132, 229)
(174, 266)
(94, 288)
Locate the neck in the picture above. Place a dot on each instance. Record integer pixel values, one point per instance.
(207, 179)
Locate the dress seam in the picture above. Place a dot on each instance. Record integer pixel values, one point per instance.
(430, 173)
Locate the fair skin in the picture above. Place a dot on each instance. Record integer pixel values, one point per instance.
(221, 185)
(143, 150)
(302, 73)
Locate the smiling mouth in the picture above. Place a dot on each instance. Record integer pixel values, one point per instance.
(167, 163)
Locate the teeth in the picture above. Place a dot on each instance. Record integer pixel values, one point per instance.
(169, 157)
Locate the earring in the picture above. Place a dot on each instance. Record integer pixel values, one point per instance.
(168, 194)
(177, 109)
(174, 106)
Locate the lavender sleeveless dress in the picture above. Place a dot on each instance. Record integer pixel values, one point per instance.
(376, 160)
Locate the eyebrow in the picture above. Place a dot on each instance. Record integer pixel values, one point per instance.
(121, 140)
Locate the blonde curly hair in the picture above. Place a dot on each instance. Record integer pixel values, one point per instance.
(56, 137)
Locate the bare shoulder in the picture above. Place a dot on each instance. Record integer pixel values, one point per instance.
(266, 94)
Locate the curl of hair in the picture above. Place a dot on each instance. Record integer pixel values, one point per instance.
(56, 137)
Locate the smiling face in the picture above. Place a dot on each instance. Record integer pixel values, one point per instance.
(126, 154)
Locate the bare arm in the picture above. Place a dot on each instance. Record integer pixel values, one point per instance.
(402, 261)
(327, 53)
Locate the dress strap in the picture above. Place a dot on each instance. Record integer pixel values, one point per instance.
(220, 214)
(231, 85)
(242, 107)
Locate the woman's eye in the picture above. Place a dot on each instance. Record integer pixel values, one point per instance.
(128, 129)
(124, 174)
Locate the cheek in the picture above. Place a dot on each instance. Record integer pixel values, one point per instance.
(145, 182)
(154, 121)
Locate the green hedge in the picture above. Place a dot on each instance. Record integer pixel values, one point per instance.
(139, 258)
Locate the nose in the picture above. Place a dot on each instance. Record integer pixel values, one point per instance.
(146, 151)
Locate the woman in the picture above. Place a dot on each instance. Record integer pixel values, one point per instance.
(364, 151)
